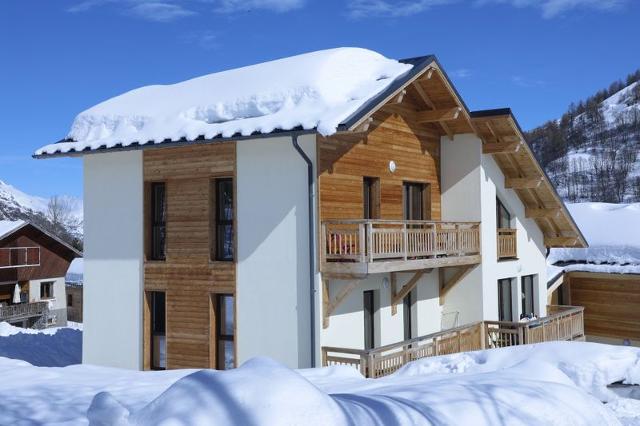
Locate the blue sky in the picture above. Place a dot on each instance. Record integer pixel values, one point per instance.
(61, 57)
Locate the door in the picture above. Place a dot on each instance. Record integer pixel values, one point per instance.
(505, 299)
(528, 307)
(369, 312)
(413, 201)
(222, 350)
(406, 313)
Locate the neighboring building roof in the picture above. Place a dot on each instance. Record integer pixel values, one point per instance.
(8, 228)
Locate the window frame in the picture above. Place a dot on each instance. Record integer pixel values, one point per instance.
(370, 197)
(220, 335)
(49, 285)
(153, 321)
(157, 251)
(505, 282)
(501, 207)
(218, 240)
(523, 303)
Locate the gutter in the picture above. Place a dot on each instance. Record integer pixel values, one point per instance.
(312, 243)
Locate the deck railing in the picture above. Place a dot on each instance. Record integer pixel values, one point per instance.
(23, 311)
(507, 243)
(563, 323)
(14, 257)
(375, 240)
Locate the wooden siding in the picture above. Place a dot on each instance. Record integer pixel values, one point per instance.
(610, 303)
(55, 258)
(345, 159)
(188, 276)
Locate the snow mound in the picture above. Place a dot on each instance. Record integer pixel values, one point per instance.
(51, 347)
(313, 90)
(612, 232)
(261, 391)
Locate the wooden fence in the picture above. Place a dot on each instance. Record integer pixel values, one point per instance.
(563, 323)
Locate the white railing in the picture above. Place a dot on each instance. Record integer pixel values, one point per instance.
(19, 257)
(373, 240)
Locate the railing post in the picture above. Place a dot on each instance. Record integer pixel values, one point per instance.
(372, 366)
(362, 235)
(458, 240)
(405, 242)
(323, 242)
(369, 226)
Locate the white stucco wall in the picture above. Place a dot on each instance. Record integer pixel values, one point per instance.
(462, 198)
(346, 324)
(59, 300)
(113, 259)
(530, 244)
(273, 317)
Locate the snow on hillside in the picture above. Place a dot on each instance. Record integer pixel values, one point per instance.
(12, 199)
(559, 383)
(318, 89)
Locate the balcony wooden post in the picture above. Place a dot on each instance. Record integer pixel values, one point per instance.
(405, 241)
(370, 247)
(362, 235)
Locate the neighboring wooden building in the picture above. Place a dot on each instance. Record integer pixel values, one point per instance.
(604, 278)
(204, 252)
(33, 264)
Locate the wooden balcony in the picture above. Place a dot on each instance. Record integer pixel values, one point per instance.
(373, 246)
(563, 323)
(19, 257)
(507, 243)
(22, 311)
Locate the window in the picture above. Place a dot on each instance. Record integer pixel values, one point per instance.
(527, 295)
(158, 220)
(369, 319)
(371, 198)
(46, 290)
(505, 312)
(69, 300)
(415, 197)
(158, 330)
(502, 215)
(225, 331)
(224, 241)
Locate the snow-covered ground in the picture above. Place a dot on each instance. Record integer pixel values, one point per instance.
(613, 235)
(551, 383)
(52, 347)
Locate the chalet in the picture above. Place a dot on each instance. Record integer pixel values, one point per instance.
(336, 207)
(33, 264)
(604, 278)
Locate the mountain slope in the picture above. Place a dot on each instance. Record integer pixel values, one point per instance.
(591, 152)
(63, 218)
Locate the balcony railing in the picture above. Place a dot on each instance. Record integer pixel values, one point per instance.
(507, 243)
(19, 257)
(370, 243)
(563, 323)
(23, 311)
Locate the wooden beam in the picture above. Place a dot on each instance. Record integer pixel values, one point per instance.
(332, 305)
(438, 115)
(523, 183)
(560, 241)
(423, 95)
(410, 285)
(399, 97)
(542, 213)
(501, 148)
(447, 285)
(393, 290)
(364, 126)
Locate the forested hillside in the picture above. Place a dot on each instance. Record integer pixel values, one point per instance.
(591, 152)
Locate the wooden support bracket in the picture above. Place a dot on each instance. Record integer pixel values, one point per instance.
(523, 183)
(501, 148)
(438, 115)
(542, 213)
(560, 241)
(410, 285)
(446, 285)
(328, 305)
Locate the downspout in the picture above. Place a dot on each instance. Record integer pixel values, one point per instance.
(312, 258)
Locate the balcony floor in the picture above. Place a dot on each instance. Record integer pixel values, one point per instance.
(397, 265)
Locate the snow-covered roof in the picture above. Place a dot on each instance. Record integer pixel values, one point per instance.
(8, 226)
(614, 239)
(313, 91)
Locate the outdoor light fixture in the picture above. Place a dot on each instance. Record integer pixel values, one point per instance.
(392, 166)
